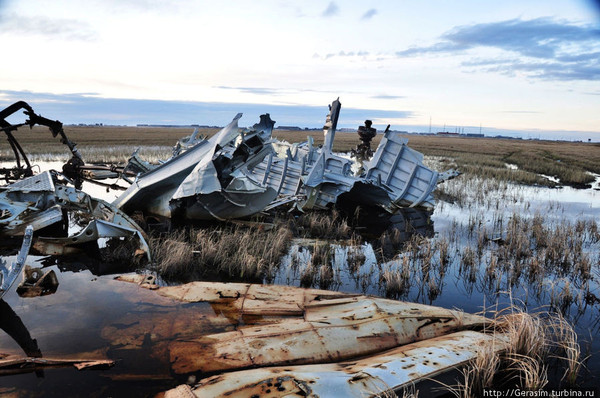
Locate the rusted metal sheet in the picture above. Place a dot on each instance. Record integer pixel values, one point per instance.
(308, 326)
(329, 338)
(366, 377)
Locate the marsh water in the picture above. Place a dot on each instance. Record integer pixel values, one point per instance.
(440, 257)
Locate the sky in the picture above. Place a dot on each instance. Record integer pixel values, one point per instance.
(529, 66)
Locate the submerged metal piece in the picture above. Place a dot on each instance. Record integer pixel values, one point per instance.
(95, 230)
(13, 364)
(37, 283)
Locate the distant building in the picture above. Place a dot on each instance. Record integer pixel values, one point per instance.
(474, 135)
(293, 128)
(447, 134)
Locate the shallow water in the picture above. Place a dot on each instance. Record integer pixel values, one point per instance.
(96, 317)
(453, 286)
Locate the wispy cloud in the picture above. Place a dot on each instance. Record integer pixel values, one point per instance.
(387, 97)
(254, 90)
(540, 48)
(63, 28)
(342, 54)
(331, 10)
(369, 14)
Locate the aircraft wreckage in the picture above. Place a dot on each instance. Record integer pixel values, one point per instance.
(257, 339)
(65, 219)
(235, 173)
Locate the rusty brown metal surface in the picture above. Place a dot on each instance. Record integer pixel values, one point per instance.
(283, 325)
(367, 377)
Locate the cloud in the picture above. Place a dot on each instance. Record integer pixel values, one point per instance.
(342, 54)
(548, 70)
(253, 90)
(387, 97)
(541, 48)
(63, 28)
(369, 14)
(331, 10)
(539, 38)
(440, 48)
(90, 108)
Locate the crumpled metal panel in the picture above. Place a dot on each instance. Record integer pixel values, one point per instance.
(203, 178)
(396, 176)
(209, 180)
(32, 202)
(400, 169)
(239, 173)
(39, 183)
(367, 377)
(153, 190)
(95, 230)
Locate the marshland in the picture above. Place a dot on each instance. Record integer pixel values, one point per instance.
(515, 237)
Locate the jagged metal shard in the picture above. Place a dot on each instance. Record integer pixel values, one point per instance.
(9, 274)
(239, 173)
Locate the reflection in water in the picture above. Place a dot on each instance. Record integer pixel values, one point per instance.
(82, 263)
(101, 318)
(350, 266)
(372, 222)
(15, 328)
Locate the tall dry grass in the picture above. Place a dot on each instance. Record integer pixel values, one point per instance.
(533, 340)
(230, 251)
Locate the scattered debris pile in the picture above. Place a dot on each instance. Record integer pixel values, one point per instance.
(68, 220)
(240, 172)
(65, 219)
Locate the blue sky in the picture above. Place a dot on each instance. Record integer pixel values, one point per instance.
(532, 66)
